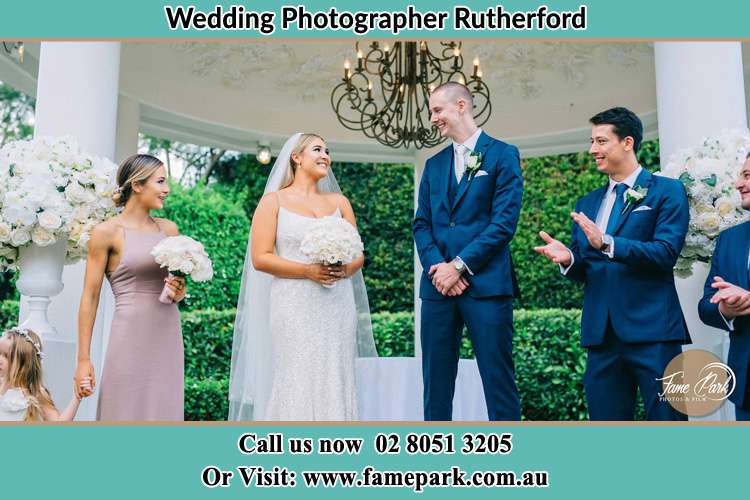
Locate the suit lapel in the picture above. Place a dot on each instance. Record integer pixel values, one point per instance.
(483, 143)
(745, 245)
(643, 180)
(591, 208)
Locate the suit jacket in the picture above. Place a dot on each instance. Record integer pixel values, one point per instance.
(730, 262)
(634, 290)
(477, 225)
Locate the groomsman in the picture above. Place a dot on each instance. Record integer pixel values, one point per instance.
(468, 207)
(726, 299)
(625, 241)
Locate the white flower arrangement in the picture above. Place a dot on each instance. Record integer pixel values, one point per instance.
(49, 189)
(709, 173)
(332, 240)
(183, 256)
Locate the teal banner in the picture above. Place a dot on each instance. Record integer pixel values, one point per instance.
(360, 461)
(580, 19)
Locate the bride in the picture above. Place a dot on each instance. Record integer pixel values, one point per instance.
(296, 340)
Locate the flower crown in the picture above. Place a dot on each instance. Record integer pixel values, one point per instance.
(23, 332)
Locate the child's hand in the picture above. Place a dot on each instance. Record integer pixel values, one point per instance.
(85, 388)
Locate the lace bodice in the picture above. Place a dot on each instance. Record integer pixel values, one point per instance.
(291, 228)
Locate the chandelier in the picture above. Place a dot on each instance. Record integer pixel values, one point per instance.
(386, 95)
(10, 47)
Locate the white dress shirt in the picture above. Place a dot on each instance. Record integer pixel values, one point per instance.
(460, 153)
(459, 157)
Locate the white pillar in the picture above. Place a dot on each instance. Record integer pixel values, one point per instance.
(128, 126)
(77, 96)
(700, 90)
(420, 157)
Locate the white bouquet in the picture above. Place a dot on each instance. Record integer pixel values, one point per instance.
(709, 173)
(332, 240)
(49, 189)
(182, 256)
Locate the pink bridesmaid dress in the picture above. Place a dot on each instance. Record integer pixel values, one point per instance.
(143, 374)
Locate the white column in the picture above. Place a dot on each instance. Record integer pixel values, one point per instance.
(420, 157)
(700, 90)
(77, 96)
(128, 126)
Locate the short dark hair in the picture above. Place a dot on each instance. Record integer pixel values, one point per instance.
(624, 123)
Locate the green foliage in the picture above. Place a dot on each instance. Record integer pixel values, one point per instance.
(382, 196)
(217, 221)
(547, 353)
(8, 314)
(552, 185)
(206, 399)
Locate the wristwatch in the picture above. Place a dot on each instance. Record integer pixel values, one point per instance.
(459, 265)
(606, 243)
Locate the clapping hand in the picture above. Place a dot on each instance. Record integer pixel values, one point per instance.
(733, 300)
(591, 230)
(554, 250)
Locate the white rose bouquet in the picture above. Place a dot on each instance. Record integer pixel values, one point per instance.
(49, 190)
(332, 240)
(709, 173)
(182, 256)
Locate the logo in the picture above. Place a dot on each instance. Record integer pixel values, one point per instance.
(696, 383)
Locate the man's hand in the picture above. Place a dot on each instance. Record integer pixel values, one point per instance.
(554, 250)
(592, 232)
(444, 277)
(733, 300)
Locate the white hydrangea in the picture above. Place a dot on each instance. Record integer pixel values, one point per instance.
(709, 173)
(50, 189)
(332, 240)
(183, 256)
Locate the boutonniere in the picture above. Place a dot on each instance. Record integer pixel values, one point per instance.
(473, 163)
(634, 196)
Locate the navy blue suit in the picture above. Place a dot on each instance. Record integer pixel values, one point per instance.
(632, 323)
(475, 220)
(730, 262)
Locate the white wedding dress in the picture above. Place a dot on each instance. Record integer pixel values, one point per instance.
(313, 338)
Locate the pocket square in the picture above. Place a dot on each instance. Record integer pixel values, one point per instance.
(480, 173)
(644, 207)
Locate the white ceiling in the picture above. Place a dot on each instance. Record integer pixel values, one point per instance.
(235, 93)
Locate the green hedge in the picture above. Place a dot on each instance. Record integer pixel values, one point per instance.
(549, 360)
(8, 313)
(206, 399)
(219, 222)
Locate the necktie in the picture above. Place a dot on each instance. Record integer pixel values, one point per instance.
(460, 161)
(614, 215)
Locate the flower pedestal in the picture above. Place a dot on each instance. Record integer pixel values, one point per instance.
(41, 278)
(690, 291)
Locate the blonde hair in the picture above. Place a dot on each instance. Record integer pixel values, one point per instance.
(304, 141)
(136, 168)
(25, 372)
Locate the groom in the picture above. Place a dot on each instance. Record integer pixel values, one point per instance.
(468, 207)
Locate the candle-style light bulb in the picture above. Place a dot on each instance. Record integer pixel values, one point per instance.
(347, 67)
(456, 52)
(461, 80)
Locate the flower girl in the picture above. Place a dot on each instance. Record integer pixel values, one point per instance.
(23, 396)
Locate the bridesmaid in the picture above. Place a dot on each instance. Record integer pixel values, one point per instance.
(142, 375)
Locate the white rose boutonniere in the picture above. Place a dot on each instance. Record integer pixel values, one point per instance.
(634, 196)
(473, 163)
